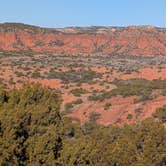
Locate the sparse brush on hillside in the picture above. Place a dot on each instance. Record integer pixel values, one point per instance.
(79, 76)
(138, 87)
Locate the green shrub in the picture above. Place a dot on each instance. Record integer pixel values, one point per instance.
(68, 106)
(161, 114)
(107, 106)
(94, 116)
(78, 101)
(129, 116)
(78, 92)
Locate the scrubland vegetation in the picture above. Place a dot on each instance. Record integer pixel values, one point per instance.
(137, 87)
(35, 126)
(34, 132)
(71, 103)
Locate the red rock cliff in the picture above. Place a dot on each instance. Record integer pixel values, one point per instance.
(144, 40)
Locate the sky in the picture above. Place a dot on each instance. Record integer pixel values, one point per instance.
(65, 13)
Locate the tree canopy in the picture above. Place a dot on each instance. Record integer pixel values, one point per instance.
(33, 132)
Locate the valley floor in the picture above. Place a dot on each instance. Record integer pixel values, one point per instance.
(107, 89)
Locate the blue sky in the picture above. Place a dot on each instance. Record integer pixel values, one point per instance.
(62, 13)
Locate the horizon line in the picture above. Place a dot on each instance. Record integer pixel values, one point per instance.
(85, 26)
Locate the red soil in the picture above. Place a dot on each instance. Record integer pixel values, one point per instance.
(146, 73)
(119, 110)
(90, 88)
(101, 70)
(145, 41)
(52, 83)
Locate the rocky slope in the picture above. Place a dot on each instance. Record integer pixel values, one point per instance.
(133, 40)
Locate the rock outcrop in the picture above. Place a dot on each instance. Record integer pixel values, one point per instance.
(133, 40)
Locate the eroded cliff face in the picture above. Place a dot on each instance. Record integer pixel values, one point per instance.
(144, 40)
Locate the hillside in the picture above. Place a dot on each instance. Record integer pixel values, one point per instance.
(132, 40)
(115, 88)
(61, 107)
(33, 132)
